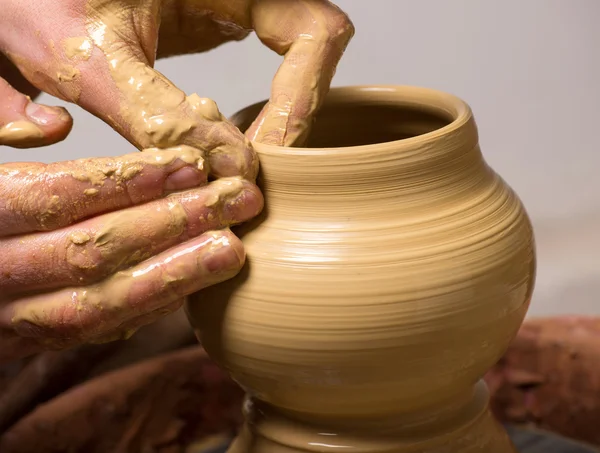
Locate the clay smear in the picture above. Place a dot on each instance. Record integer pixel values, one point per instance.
(150, 102)
(20, 133)
(79, 48)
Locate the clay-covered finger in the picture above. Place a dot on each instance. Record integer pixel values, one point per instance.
(96, 248)
(128, 328)
(312, 35)
(26, 124)
(228, 150)
(119, 85)
(87, 313)
(42, 197)
(150, 111)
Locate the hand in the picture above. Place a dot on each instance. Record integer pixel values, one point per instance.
(100, 53)
(92, 249)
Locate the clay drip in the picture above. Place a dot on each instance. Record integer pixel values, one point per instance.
(390, 270)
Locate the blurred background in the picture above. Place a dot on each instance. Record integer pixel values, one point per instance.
(529, 69)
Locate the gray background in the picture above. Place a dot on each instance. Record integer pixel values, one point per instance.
(530, 70)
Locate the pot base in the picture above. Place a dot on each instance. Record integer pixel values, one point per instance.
(525, 441)
(457, 428)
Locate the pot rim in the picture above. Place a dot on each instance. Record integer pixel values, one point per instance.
(407, 95)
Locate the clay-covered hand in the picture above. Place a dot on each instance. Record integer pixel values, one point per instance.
(100, 55)
(92, 249)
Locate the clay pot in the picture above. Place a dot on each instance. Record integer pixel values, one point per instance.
(391, 269)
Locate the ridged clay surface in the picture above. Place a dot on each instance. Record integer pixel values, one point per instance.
(390, 270)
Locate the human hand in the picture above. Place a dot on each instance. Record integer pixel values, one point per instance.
(92, 249)
(100, 53)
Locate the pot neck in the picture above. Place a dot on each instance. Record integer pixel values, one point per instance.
(372, 143)
(416, 170)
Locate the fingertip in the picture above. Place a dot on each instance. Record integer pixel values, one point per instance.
(55, 122)
(258, 200)
(39, 126)
(236, 245)
(235, 156)
(227, 255)
(251, 170)
(245, 206)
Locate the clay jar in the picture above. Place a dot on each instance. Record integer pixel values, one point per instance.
(390, 270)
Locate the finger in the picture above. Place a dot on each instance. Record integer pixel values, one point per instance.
(25, 124)
(82, 314)
(42, 197)
(127, 329)
(92, 250)
(312, 34)
(13, 76)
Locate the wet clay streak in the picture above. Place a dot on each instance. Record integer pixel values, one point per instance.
(58, 77)
(123, 169)
(126, 237)
(390, 271)
(78, 48)
(96, 173)
(20, 133)
(151, 105)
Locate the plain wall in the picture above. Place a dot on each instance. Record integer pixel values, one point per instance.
(529, 69)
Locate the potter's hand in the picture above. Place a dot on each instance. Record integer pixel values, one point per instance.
(99, 54)
(92, 249)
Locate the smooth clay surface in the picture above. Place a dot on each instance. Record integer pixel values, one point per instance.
(391, 269)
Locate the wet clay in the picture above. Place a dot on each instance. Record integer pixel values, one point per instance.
(54, 68)
(115, 295)
(323, 32)
(391, 269)
(123, 169)
(88, 177)
(20, 133)
(78, 48)
(150, 104)
(124, 239)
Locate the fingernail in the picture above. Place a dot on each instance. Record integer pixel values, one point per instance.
(42, 114)
(184, 178)
(224, 258)
(243, 207)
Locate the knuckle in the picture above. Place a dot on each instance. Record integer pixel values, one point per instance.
(339, 28)
(171, 285)
(342, 29)
(82, 260)
(89, 260)
(44, 204)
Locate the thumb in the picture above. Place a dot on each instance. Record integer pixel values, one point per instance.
(25, 124)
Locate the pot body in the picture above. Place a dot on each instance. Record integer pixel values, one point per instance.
(390, 270)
